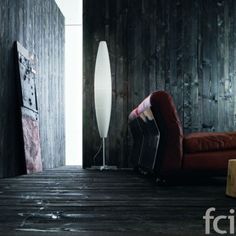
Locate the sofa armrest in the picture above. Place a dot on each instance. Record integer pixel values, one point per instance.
(171, 142)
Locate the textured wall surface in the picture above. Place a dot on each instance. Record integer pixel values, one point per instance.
(38, 26)
(185, 47)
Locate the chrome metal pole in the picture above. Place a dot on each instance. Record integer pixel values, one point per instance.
(104, 152)
(104, 166)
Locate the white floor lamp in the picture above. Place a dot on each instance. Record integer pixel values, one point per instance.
(103, 95)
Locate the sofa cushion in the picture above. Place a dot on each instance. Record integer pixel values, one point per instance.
(208, 161)
(207, 142)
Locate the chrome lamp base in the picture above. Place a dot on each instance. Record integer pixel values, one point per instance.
(104, 166)
(101, 168)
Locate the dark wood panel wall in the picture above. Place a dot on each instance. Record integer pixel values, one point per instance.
(38, 26)
(185, 47)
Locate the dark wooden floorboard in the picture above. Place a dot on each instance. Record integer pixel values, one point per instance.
(72, 201)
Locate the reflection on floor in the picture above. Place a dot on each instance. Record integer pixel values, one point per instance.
(72, 201)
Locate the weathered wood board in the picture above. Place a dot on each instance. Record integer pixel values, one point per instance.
(29, 110)
(71, 201)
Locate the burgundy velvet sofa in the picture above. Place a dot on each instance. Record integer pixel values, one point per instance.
(196, 153)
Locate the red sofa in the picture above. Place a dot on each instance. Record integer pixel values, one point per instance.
(196, 153)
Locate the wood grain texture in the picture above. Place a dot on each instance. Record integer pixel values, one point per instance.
(72, 201)
(184, 47)
(39, 27)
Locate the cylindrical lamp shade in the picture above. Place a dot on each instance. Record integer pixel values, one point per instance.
(103, 89)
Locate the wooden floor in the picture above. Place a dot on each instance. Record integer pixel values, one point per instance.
(71, 201)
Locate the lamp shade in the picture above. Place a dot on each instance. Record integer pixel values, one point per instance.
(103, 89)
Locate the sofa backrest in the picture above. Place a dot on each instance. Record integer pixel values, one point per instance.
(171, 142)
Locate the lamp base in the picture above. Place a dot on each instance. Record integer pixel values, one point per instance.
(105, 167)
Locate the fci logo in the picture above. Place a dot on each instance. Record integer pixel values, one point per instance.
(210, 219)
